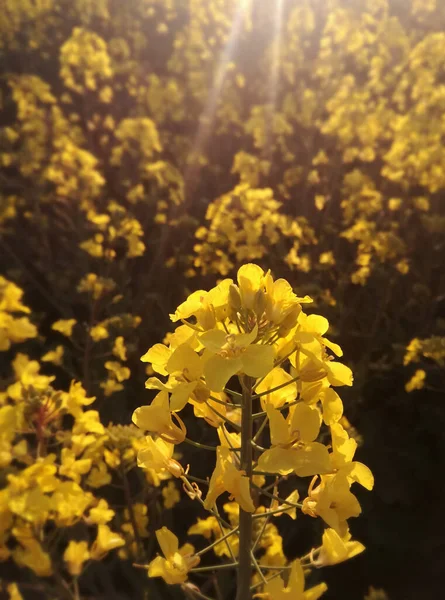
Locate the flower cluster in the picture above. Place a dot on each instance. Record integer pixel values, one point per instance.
(254, 332)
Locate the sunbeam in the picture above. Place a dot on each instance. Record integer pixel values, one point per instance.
(208, 115)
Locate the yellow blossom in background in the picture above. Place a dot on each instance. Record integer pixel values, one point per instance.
(54, 356)
(105, 541)
(171, 495)
(417, 381)
(75, 555)
(64, 326)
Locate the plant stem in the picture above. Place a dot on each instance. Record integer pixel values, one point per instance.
(245, 518)
(216, 542)
(131, 514)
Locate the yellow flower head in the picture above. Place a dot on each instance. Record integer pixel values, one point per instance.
(294, 590)
(227, 478)
(157, 418)
(177, 563)
(75, 555)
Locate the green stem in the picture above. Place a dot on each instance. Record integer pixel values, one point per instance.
(245, 518)
(129, 502)
(216, 542)
(214, 568)
(199, 445)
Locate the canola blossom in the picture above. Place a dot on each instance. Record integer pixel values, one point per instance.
(249, 353)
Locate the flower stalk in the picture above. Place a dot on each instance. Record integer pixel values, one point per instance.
(245, 518)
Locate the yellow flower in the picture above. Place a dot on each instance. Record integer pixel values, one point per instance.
(99, 332)
(278, 398)
(293, 446)
(171, 495)
(185, 368)
(250, 281)
(416, 382)
(157, 418)
(54, 356)
(177, 563)
(73, 468)
(294, 590)
(120, 372)
(158, 356)
(75, 555)
(64, 326)
(157, 454)
(228, 354)
(206, 307)
(336, 549)
(14, 592)
(111, 386)
(106, 540)
(332, 406)
(283, 306)
(31, 553)
(119, 348)
(227, 478)
(333, 501)
(69, 502)
(100, 514)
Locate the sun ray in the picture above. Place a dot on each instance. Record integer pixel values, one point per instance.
(208, 115)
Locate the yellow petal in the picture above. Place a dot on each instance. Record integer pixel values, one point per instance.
(218, 370)
(167, 541)
(357, 471)
(279, 429)
(313, 459)
(339, 374)
(275, 378)
(214, 339)
(332, 406)
(258, 360)
(158, 356)
(317, 324)
(306, 420)
(183, 359)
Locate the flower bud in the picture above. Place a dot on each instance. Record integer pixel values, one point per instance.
(234, 298)
(259, 303)
(289, 321)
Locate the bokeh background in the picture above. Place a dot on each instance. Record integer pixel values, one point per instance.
(149, 148)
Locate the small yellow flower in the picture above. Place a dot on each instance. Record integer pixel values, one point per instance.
(177, 563)
(75, 555)
(294, 590)
(293, 445)
(64, 326)
(171, 495)
(106, 540)
(100, 514)
(417, 381)
(227, 478)
(157, 418)
(336, 549)
(119, 348)
(229, 354)
(54, 356)
(157, 454)
(120, 372)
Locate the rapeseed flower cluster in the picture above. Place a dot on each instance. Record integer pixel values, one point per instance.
(254, 336)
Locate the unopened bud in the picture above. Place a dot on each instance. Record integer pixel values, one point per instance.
(289, 321)
(259, 303)
(175, 468)
(234, 298)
